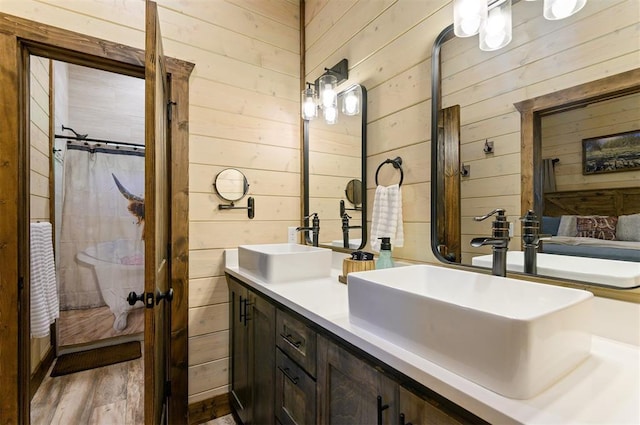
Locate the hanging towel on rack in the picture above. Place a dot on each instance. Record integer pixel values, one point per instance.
(387, 216)
(44, 287)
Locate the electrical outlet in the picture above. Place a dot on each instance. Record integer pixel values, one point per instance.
(511, 229)
(292, 235)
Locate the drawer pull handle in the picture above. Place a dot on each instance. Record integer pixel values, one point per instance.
(285, 371)
(289, 339)
(381, 408)
(402, 420)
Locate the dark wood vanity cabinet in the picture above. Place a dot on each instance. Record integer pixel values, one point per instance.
(252, 343)
(287, 370)
(351, 391)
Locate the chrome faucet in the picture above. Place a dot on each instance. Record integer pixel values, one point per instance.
(314, 228)
(499, 241)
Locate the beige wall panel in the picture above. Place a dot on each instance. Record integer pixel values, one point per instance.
(209, 150)
(261, 182)
(208, 290)
(242, 128)
(285, 12)
(215, 95)
(204, 207)
(504, 146)
(471, 207)
(39, 162)
(332, 11)
(355, 28)
(39, 185)
(224, 42)
(493, 166)
(312, 8)
(207, 234)
(207, 319)
(415, 165)
(238, 19)
(209, 347)
(491, 186)
(407, 89)
(204, 376)
(334, 165)
(206, 262)
(407, 126)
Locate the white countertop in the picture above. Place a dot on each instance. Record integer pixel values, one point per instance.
(605, 389)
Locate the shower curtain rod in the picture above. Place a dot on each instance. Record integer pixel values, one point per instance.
(87, 139)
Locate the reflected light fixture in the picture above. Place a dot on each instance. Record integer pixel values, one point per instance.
(308, 103)
(492, 18)
(351, 100)
(323, 94)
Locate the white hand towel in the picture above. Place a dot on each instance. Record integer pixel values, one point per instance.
(44, 289)
(387, 216)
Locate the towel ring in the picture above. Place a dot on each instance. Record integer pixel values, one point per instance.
(397, 164)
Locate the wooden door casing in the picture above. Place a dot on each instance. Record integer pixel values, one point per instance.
(157, 226)
(22, 37)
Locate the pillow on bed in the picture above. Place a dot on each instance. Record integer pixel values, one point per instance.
(550, 225)
(628, 228)
(597, 226)
(567, 226)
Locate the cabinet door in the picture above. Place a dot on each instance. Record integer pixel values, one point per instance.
(239, 347)
(415, 410)
(262, 351)
(351, 391)
(295, 393)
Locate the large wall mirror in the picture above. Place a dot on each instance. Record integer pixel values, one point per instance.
(335, 176)
(544, 102)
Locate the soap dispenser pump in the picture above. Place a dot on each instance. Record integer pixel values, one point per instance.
(384, 259)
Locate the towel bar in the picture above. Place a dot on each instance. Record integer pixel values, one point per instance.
(397, 164)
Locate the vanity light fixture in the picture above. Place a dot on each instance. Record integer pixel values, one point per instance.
(492, 18)
(323, 94)
(309, 108)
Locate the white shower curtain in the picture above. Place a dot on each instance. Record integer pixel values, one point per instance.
(95, 211)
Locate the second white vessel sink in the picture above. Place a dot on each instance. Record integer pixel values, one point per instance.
(513, 337)
(275, 263)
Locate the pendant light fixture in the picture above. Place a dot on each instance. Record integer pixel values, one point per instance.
(495, 29)
(492, 18)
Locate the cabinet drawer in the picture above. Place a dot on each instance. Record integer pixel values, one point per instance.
(295, 393)
(297, 340)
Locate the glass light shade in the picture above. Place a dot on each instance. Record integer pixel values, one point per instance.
(330, 114)
(309, 109)
(467, 16)
(351, 101)
(495, 30)
(560, 9)
(327, 87)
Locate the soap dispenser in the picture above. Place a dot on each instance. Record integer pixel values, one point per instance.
(384, 259)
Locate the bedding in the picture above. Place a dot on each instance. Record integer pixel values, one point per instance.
(565, 238)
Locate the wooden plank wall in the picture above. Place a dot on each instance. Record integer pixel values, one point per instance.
(543, 57)
(562, 136)
(388, 45)
(244, 113)
(40, 157)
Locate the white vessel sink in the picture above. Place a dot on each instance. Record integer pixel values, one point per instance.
(620, 274)
(286, 262)
(513, 337)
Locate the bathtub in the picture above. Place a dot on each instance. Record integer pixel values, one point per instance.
(119, 269)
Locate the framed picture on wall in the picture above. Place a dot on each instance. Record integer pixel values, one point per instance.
(613, 153)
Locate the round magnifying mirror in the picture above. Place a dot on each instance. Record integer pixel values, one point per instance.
(354, 192)
(231, 184)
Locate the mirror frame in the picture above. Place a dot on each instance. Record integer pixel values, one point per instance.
(531, 111)
(245, 186)
(363, 177)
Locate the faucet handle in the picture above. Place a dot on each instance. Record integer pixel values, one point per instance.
(314, 215)
(500, 215)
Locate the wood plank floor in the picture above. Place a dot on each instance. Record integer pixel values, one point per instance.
(90, 325)
(106, 395)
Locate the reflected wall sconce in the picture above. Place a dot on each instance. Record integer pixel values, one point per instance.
(492, 18)
(323, 94)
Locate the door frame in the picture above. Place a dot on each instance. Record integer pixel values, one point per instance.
(20, 38)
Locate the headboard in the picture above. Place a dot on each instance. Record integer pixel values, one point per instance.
(614, 202)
